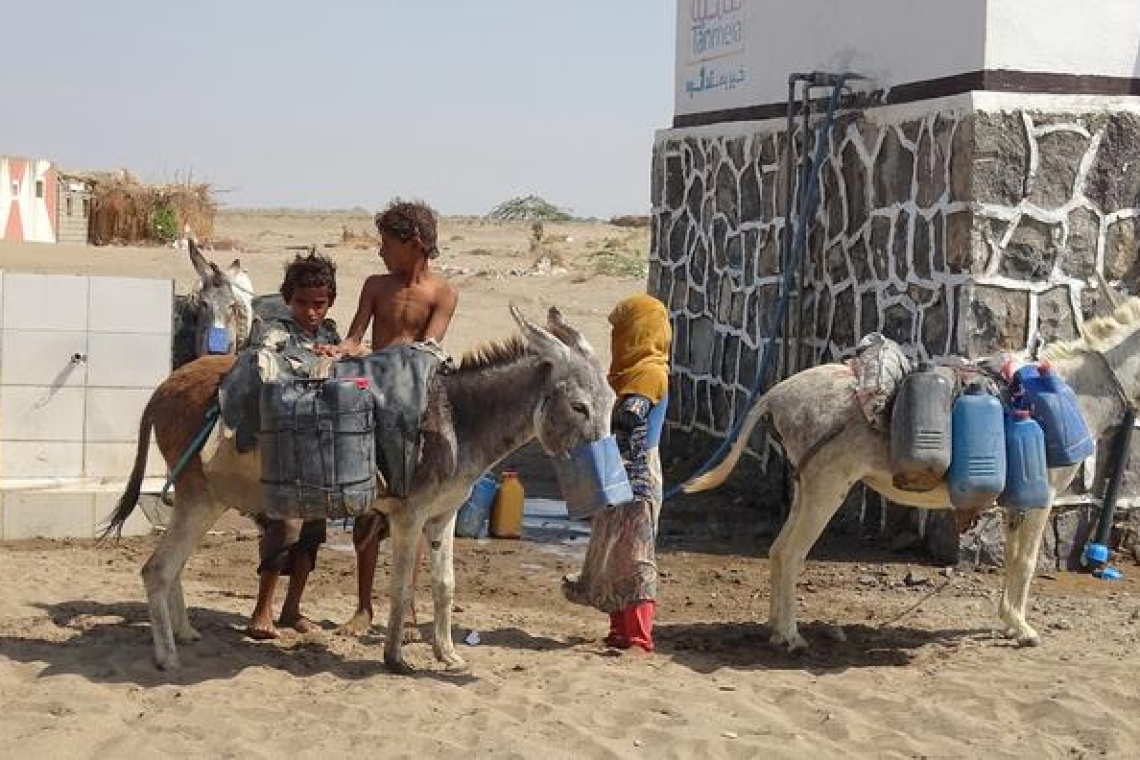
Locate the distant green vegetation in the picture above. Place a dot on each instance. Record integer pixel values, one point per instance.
(528, 209)
(163, 223)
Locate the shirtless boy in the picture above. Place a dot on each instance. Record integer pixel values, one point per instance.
(408, 304)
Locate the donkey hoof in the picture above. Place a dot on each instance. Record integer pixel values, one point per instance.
(456, 665)
(793, 642)
(452, 662)
(1030, 639)
(397, 665)
(411, 634)
(188, 636)
(167, 664)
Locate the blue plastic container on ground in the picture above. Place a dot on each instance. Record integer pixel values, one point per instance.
(1068, 440)
(1027, 477)
(977, 464)
(473, 517)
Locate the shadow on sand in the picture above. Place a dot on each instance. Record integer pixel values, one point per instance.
(111, 643)
(708, 647)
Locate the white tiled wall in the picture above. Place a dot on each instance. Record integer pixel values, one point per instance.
(44, 302)
(35, 357)
(130, 305)
(48, 515)
(61, 418)
(41, 413)
(41, 459)
(125, 360)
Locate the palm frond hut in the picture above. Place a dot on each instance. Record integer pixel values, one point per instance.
(124, 211)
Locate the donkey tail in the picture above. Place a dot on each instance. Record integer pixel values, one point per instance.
(130, 498)
(717, 475)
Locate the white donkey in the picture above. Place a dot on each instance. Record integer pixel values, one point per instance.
(548, 384)
(830, 447)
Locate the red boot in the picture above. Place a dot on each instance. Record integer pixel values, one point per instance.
(638, 621)
(617, 637)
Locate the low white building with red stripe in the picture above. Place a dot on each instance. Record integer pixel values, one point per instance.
(28, 205)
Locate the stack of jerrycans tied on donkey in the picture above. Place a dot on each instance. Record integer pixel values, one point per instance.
(984, 449)
(325, 442)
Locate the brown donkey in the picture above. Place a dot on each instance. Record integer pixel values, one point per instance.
(546, 384)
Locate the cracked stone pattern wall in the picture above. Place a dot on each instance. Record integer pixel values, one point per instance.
(955, 233)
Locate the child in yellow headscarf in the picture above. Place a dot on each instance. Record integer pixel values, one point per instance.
(619, 575)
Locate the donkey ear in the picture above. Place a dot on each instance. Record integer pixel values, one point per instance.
(538, 340)
(201, 266)
(562, 330)
(1115, 300)
(215, 279)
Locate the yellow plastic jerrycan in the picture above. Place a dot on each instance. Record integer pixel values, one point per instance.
(507, 511)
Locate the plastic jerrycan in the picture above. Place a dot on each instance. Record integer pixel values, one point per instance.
(1067, 437)
(474, 515)
(1027, 480)
(978, 465)
(920, 429)
(507, 511)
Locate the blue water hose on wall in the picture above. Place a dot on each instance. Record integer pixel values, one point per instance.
(807, 208)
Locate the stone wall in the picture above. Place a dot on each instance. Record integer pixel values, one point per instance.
(955, 232)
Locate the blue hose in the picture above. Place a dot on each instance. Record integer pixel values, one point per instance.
(807, 210)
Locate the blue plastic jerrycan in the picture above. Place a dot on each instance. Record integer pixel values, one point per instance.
(978, 463)
(1027, 479)
(472, 520)
(1040, 389)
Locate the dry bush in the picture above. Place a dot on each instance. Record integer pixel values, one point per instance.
(630, 220)
(125, 211)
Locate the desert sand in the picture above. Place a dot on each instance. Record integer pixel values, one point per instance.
(898, 668)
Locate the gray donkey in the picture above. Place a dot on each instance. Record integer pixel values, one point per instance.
(218, 316)
(830, 447)
(547, 384)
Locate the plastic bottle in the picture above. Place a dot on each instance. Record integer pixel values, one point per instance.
(471, 522)
(920, 430)
(1026, 482)
(978, 467)
(507, 511)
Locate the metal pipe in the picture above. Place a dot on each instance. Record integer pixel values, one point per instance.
(806, 168)
(1120, 448)
(786, 236)
(1097, 553)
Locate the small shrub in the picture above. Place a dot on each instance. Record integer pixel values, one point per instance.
(163, 224)
(618, 263)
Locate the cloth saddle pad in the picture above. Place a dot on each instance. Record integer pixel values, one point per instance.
(879, 366)
(399, 378)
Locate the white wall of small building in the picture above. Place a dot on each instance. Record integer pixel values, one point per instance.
(1100, 38)
(738, 53)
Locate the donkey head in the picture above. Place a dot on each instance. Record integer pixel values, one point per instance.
(576, 400)
(225, 306)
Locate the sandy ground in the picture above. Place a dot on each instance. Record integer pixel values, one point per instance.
(920, 674)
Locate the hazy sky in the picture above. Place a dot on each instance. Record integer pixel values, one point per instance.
(347, 103)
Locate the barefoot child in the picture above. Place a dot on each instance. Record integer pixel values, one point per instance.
(411, 303)
(289, 547)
